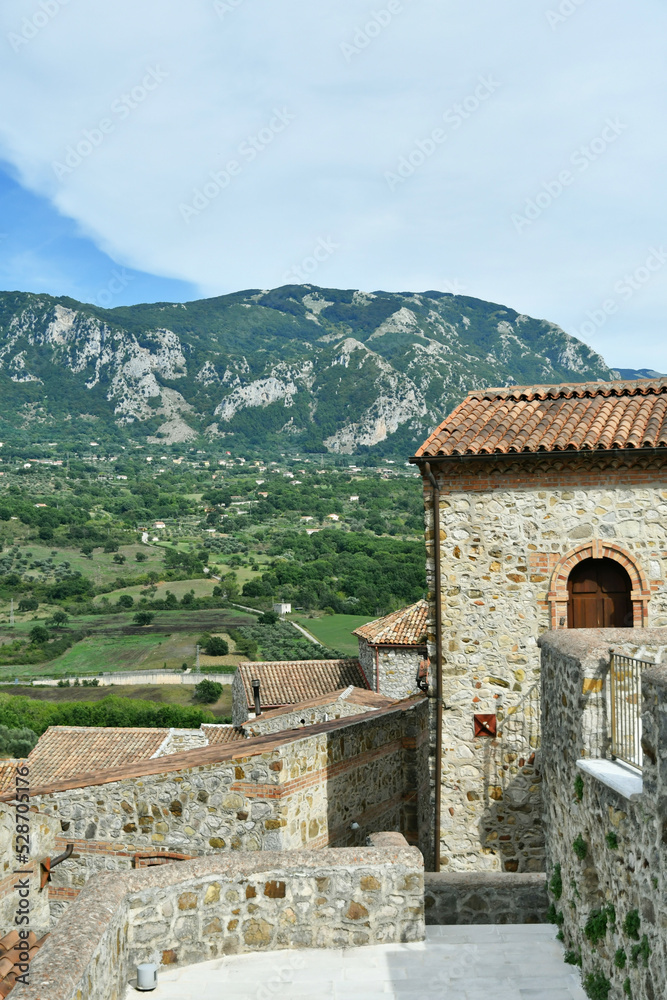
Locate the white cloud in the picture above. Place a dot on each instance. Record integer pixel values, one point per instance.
(223, 75)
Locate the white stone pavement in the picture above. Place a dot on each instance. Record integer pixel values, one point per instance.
(506, 962)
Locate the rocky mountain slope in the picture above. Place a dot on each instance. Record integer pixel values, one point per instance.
(297, 367)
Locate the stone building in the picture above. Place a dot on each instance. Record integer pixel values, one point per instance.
(392, 650)
(550, 506)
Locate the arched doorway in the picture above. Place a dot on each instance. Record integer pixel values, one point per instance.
(599, 595)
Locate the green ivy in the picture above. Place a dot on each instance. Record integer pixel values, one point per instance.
(573, 957)
(627, 988)
(597, 985)
(631, 924)
(554, 917)
(580, 847)
(556, 883)
(642, 950)
(612, 840)
(620, 958)
(579, 788)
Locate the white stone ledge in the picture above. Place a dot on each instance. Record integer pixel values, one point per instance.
(625, 780)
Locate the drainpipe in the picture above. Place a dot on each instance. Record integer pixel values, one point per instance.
(255, 691)
(435, 494)
(48, 864)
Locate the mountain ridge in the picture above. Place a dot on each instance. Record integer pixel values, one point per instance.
(297, 367)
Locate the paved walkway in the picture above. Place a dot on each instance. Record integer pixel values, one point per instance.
(505, 962)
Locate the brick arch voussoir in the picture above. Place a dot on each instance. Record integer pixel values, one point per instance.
(597, 549)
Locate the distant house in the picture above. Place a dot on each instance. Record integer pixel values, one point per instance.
(159, 524)
(392, 650)
(282, 609)
(289, 683)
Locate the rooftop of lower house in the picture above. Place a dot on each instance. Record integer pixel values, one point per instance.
(407, 627)
(571, 416)
(296, 681)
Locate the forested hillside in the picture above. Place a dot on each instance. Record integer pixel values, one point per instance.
(298, 368)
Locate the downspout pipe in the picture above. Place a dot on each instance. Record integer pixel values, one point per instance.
(435, 496)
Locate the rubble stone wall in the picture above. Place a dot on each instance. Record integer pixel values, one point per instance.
(485, 898)
(504, 528)
(330, 788)
(212, 907)
(607, 853)
(391, 670)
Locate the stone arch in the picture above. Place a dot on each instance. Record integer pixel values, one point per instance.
(597, 549)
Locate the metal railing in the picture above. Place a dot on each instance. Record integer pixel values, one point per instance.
(625, 679)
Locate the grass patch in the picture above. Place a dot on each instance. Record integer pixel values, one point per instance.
(335, 631)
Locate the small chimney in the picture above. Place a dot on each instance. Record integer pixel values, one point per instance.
(255, 691)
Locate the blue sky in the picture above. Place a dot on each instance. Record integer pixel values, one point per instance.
(515, 152)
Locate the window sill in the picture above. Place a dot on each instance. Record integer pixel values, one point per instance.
(625, 780)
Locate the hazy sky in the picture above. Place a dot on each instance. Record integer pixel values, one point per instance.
(171, 149)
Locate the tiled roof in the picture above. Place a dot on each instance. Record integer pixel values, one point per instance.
(7, 766)
(289, 683)
(356, 696)
(65, 751)
(221, 734)
(406, 627)
(215, 754)
(9, 957)
(579, 416)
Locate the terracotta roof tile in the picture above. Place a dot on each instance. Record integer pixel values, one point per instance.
(406, 627)
(578, 416)
(289, 683)
(9, 958)
(221, 733)
(64, 751)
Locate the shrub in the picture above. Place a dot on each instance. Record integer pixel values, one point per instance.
(16, 742)
(268, 618)
(620, 958)
(141, 557)
(627, 988)
(216, 646)
(597, 985)
(631, 924)
(125, 601)
(28, 604)
(596, 925)
(556, 883)
(612, 840)
(579, 787)
(59, 618)
(118, 558)
(642, 950)
(143, 618)
(554, 917)
(39, 635)
(580, 847)
(573, 957)
(207, 692)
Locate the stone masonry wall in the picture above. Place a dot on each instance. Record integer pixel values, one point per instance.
(277, 722)
(607, 854)
(391, 670)
(331, 787)
(504, 527)
(211, 907)
(485, 898)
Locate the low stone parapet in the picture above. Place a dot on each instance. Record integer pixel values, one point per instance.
(485, 898)
(209, 907)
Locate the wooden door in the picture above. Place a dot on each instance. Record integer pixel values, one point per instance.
(599, 595)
